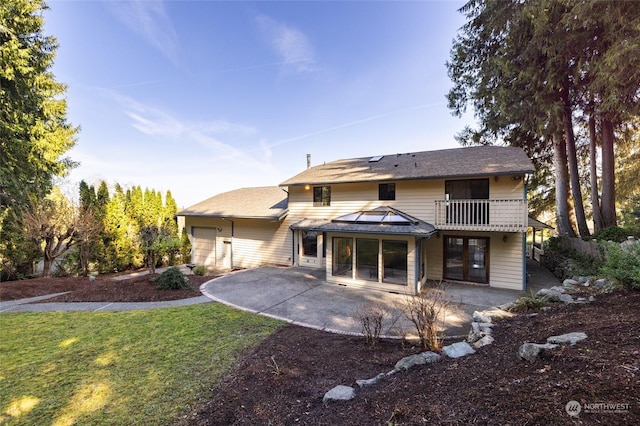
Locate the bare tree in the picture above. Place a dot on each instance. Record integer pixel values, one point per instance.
(55, 226)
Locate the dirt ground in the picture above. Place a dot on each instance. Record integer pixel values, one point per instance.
(282, 382)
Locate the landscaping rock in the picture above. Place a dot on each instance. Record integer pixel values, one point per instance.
(554, 296)
(601, 283)
(531, 351)
(568, 338)
(558, 289)
(372, 381)
(570, 282)
(339, 393)
(458, 350)
(489, 315)
(486, 340)
(418, 359)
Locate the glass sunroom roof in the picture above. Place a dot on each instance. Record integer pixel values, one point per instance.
(375, 217)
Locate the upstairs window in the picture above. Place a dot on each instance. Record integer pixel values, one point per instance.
(387, 191)
(468, 189)
(321, 196)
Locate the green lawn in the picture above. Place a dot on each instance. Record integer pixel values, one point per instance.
(118, 368)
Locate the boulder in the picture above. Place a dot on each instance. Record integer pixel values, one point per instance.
(570, 282)
(601, 283)
(531, 351)
(568, 338)
(339, 393)
(458, 350)
(486, 340)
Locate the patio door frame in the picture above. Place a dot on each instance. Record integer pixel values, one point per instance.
(465, 258)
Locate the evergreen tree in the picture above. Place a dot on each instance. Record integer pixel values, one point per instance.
(169, 214)
(34, 132)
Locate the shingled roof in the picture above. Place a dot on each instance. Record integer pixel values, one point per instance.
(446, 163)
(266, 202)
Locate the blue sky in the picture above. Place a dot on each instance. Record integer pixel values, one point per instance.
(201, 97)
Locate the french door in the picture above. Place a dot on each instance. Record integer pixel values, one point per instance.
(466, 258)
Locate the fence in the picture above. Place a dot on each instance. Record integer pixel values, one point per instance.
(589, 248)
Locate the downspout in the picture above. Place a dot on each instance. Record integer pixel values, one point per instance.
(524, 239)
(416, 264)
(293, 248)
(232, 233)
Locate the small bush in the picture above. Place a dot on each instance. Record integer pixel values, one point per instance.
(622, 264)
(427, 312)
(529, 303)
(614, 233)
(172, 279)
(200, 270)
(372, 317)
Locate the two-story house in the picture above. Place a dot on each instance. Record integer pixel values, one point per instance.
(388, 222)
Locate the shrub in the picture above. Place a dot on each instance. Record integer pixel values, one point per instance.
(529, 303)
(427, 312)
(372, 317)
(614, 233)
(565, 262)
(622, 264)
(200, 270)
(172, 279)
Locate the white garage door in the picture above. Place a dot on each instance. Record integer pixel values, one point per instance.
(204, 246)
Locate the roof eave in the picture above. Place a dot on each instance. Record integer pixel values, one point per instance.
(388, 179)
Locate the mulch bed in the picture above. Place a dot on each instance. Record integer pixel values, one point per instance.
(103, 289)
(283, 381)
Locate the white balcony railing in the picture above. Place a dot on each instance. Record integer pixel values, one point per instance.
(482, 215)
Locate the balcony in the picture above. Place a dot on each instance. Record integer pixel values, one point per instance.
(482, 215)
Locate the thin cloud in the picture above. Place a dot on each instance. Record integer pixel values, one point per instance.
(149, 19)
(347, 124)
(290, 44)
(157, 122)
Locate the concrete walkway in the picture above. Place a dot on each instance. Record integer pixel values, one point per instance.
(302, 296)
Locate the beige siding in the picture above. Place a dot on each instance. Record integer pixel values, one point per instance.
(258, 243)
(506, 260)
(416, 198)
(254, 242)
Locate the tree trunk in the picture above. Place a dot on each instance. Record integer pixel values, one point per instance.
(608, 175)
(562, 182)
(595, 198)
(576, 191)
(46, 267)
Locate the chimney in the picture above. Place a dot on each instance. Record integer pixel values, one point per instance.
(308, 161)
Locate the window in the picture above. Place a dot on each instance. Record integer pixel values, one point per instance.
(387, 191)
(309, 243)
(367, 259)
(342, 256)
(468, 189)
(394, 258)
(321, 196)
